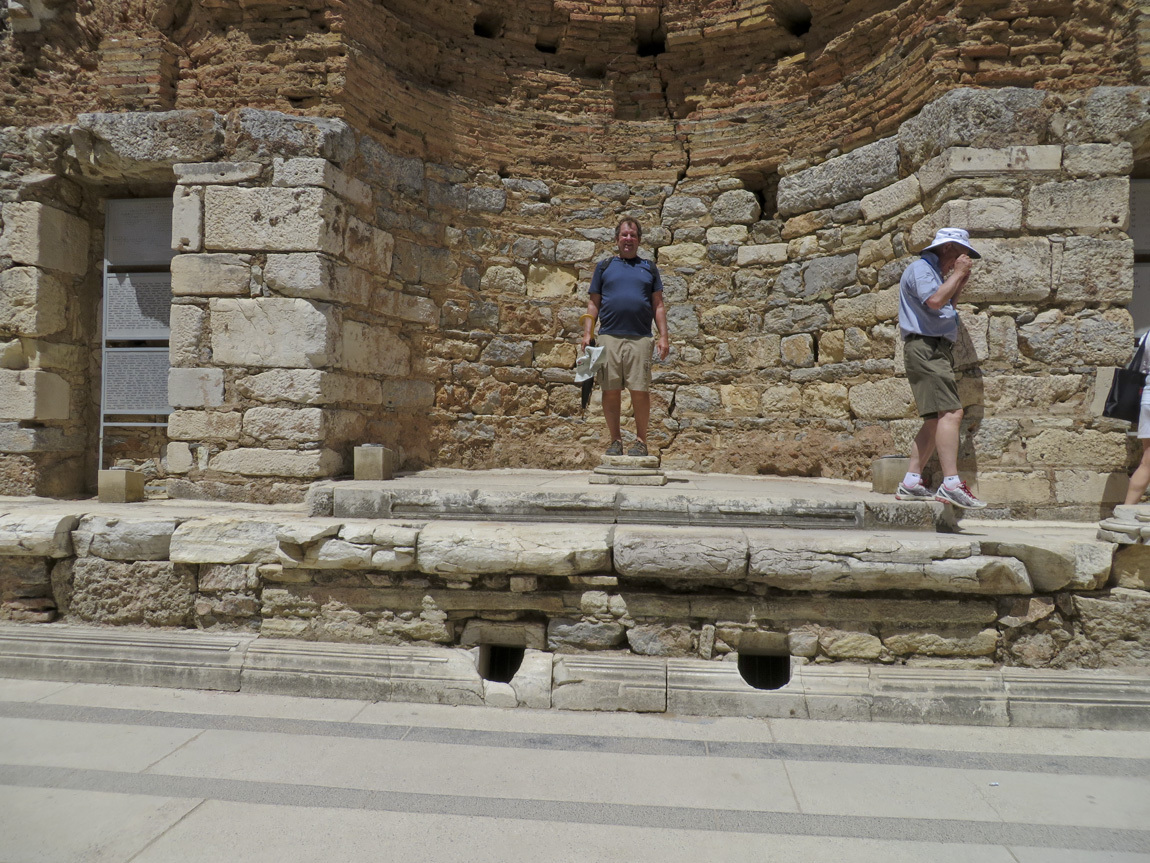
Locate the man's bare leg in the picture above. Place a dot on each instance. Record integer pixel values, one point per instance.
(612, 408)
(923, 447)
(946, 439)
(641, 408)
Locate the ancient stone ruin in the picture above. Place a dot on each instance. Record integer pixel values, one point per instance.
(383, 219)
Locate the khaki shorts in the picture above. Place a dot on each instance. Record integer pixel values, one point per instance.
(930, 371)
(627, 362)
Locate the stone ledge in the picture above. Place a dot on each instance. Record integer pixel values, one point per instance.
(997, 697)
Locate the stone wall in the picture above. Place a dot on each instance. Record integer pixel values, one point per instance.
(680, 592)
(329, 293)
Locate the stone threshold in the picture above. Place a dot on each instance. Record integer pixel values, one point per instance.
(1000, 697)
(611, 504)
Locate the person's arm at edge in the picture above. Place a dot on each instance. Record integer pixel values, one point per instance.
(588, 320)
(663, 346)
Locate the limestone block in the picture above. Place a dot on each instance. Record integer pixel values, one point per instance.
(154, 593)
(674, 639)
(1088, 204)
(682, 255)
(178, 457)
(548, 282)
(306, 464)
(885, 399)
(37, 535)
(1098, 160)
(1013, 394)
(831, 347)
(216, 173)
(33, 302)
(1132, 567)
(696, 400)
(195, 388)
(736, 207)
(826, 400)
(762, 255)
(1094, 339)
(1055, 564)
(186, 324)
(680, 553)
(225, 540)
(528, 635)
(1012, 269)
(480, 200)
(845, 644)
(371, 249)
(845, 178)
(308, 387)
(796, 318)
(405, 395)
(609, 683)
(115, 538)
(45, 237)
(759, 352)
(1115, 626)
(1095, 271)
(730, 235)
(373, 350)
(569, 251)
(740, 401)
(681, 210)
(977, 215)
(1112, 114)
(975, 118)
(204, 425)
(781, 401)
(273, 220)
(973, 345)
(462, 551)
(314, 171)
(1090, 486)
(212, 275)
(1100, 450)
(272, 331)
(826, 275)
(798, 351)
(373, 463)
(499, 279)
(33, 395)
(909, 641)
(187, 219)
(146, 143)
(893, 199)
(296, 425)
(857, 311)
(1013, 486)
(120, 486)
(309, 275)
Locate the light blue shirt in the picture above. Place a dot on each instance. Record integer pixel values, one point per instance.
(919, 282)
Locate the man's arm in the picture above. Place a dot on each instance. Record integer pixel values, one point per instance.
(663, 346)
(588, 320)
(953, 285)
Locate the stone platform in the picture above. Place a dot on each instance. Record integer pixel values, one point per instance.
(700, 571)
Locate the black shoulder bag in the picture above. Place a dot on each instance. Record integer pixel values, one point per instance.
(1124, 402)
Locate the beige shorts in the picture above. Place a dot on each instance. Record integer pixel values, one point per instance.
(627, 364)
(930, 373)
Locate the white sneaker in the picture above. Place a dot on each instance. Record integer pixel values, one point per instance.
(913, 492)
(961, 497)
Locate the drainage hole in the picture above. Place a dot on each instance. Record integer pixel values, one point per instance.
(498, 662)
(765, 672)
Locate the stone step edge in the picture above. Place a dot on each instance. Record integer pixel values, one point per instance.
(998, 697)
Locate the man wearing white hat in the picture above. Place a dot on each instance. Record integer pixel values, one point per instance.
(928, 320)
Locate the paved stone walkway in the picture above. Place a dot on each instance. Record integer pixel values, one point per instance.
(115, 774)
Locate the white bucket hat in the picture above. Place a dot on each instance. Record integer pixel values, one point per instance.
(953, 235)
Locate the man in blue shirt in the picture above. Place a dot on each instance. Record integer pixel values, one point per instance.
(928, 320)
(626, 295)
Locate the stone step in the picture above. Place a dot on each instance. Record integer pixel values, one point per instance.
(623, 505)
(998, 697)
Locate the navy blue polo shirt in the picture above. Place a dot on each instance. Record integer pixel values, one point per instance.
(626, 286)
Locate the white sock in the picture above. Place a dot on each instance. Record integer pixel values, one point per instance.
(952, 482)
(912, 479)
